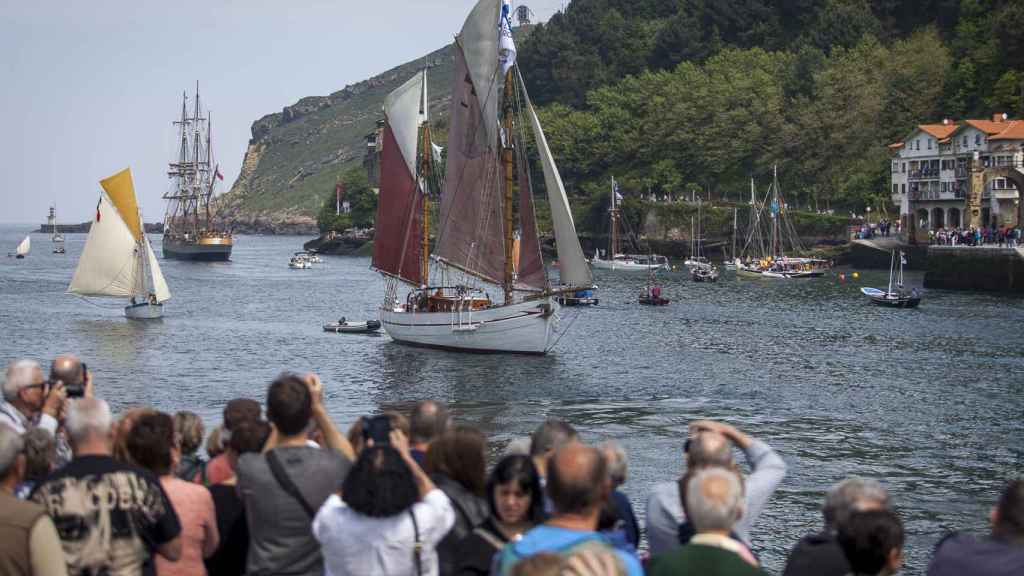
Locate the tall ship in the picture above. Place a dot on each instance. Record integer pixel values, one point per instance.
(466, 292)
(189, 231)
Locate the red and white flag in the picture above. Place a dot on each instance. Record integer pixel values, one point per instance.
(216, 172)
(98, 209)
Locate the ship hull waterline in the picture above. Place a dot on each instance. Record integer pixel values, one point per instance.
(144, 311)
(175, 250)
(523, 328)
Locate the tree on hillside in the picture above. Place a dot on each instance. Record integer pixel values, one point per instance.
(362, 204)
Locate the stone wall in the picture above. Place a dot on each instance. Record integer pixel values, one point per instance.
(967, 268)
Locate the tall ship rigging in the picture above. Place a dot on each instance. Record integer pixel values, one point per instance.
(468, 293)
(189, 230)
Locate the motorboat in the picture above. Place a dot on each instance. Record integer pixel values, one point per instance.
(343, 326)
(299, 262)
(705, 273)
(578, 298)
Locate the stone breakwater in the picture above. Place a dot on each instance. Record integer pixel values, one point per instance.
(984, 268)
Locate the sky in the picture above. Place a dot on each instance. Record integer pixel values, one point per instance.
(89, 88)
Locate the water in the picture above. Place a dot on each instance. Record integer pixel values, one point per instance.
(930, 400)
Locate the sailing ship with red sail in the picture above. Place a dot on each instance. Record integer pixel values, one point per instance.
(479, 289)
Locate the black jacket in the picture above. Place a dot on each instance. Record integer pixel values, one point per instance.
(817, 555)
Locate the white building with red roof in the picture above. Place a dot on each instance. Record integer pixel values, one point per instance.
(931, 171)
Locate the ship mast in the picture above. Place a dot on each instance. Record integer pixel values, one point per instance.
(507, 161)
(613, 242)
(425, 171)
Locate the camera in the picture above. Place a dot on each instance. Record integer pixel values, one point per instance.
(75, 389)
(378, 429)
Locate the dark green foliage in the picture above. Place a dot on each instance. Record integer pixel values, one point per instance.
(733, 87)
(362, 201)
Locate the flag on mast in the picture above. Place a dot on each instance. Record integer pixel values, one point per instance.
(506, 45)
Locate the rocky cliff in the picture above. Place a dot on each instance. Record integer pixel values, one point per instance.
(295, 155)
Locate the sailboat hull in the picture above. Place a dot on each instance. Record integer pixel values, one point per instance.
(214, 249)
(144, 311)
(523, 328)
(625, 265)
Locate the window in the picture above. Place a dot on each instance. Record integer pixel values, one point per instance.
(904, 166)
(895, 189)
(904, 188)
(965, 140)
(929, 143)
(977, 139)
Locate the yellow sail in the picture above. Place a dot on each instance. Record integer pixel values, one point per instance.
(121, 191)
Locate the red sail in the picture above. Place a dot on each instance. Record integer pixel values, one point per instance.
(399, 229)
(531, 263)
(471, 234)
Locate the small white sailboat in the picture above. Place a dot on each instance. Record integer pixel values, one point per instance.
(616, 260)
(896, 295)
(117, 260)
(23, 248)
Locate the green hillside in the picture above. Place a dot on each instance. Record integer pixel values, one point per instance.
(294, 156)
(693, 98)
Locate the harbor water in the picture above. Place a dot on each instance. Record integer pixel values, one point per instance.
(930, 401)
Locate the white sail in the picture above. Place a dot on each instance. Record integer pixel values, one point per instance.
(479, 42)
(573, 267)
(24, 247)
(402, 109)
(109, 265)
(159, 284)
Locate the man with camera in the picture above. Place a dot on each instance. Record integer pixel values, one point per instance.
(30, 399)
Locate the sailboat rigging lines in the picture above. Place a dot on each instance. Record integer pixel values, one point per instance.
(483, 242)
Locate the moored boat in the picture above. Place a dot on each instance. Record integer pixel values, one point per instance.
(896, 295)
(344, 326)
(614, 259)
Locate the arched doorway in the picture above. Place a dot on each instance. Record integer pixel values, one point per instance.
(953, 218)
(922, 219)
(938, 218)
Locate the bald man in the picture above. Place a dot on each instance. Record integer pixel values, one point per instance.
(578, 486)
(70, 371)
(710, 443)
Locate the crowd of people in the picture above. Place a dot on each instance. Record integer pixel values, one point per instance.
(1008, 236)
(883, 229)
(286, 492)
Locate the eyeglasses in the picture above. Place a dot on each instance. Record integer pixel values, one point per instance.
(44, 384)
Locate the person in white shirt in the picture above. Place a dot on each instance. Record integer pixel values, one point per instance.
(388, 519)
(29, 400)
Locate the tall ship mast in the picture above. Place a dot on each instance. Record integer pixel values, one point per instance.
(189, 231)
(466, 292)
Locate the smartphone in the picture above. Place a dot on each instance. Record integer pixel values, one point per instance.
(377, 428)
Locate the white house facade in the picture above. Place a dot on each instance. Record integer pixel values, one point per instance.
(931, 172)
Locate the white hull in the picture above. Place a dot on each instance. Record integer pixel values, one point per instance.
(624, 265)
(144, 311)
(524, 328)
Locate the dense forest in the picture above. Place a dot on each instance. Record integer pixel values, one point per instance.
(681, 97)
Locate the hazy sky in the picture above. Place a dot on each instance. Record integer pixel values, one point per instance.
(90, 87)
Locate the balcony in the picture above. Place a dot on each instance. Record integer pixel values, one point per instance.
(923, 174)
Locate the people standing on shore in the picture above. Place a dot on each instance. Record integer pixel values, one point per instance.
(283, 487)
(457, 464)
(820, 554)
(40, 450)
(388, 518)
(872, 541)
(236, 411)
(29, 545)
(710, 444)
(29, 399)
(714, 502)
(83, 495)
(578, 486)
(188, 428)
(154, 446)
(999, 554)
(619, 513)
(427, 422)
(516, 504)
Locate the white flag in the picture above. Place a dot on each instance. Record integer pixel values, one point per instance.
(506, 46)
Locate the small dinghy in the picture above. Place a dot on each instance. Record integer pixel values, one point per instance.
(578, 298)
(651, 296)
(343, 326)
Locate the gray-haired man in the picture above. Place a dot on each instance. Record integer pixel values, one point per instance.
(29, 400)
(820, 554)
